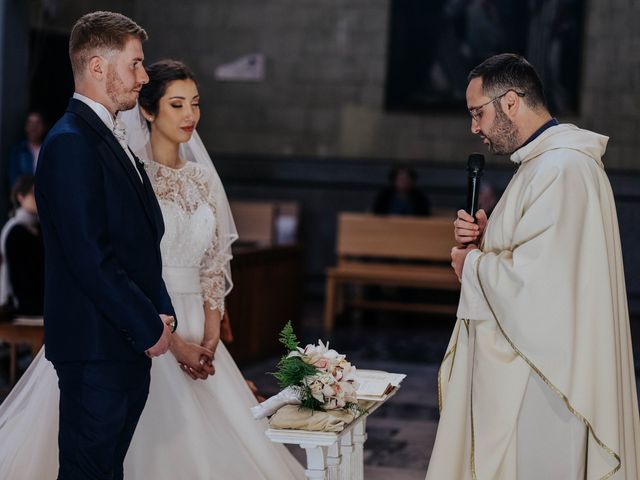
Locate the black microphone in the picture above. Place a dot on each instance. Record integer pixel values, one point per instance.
(475, 167)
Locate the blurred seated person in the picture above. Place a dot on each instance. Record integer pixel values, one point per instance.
(487, 198)
(22, 269)
(24, 156)
(401, 196)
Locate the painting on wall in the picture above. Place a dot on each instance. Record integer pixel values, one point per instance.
(434, 44)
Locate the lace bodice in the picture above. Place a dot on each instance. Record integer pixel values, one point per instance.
(191, 237)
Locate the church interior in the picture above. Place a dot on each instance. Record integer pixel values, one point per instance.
(312, 112)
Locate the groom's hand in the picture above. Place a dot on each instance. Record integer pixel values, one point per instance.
(163, 344)
(169, 320)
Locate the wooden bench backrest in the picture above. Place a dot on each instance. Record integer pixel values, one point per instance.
(254, 221)
(417, 238)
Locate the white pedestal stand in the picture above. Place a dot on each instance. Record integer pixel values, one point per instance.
(331, 456)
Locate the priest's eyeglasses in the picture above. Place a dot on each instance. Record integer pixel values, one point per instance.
(476, 112)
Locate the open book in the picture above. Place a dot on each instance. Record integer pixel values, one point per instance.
(376, 385)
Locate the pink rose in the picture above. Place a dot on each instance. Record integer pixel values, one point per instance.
(321, 363)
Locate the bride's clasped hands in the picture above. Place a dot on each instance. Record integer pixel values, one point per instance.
(195, 360)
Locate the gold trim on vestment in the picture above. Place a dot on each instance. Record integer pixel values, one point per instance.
(452, 351)
(472, 455)
(555, 389)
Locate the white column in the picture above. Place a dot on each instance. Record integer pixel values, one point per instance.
(359, 437)
(346, 448)
(316, 462)
(334, 459)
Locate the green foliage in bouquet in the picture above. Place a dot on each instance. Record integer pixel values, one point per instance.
(317, 369)
(288, 338)
(293, 370)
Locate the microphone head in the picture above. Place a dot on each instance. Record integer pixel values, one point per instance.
(475, 162)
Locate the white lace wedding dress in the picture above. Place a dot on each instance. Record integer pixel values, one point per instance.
(196, 430)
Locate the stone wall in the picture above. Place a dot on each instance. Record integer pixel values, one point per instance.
(323, 92)
(611, 82)
(324, 86)
(322, 58)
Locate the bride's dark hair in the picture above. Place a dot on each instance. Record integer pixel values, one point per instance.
(161, 74)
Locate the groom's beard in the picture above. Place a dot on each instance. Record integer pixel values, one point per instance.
(121, 96)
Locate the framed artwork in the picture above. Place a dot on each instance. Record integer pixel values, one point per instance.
(434, 44)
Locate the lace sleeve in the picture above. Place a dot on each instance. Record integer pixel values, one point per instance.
(212, 278)
(212, 266)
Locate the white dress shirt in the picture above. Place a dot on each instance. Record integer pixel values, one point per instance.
(109, 121)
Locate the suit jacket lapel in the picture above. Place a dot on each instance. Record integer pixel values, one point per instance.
(151, 196)
(89, 116)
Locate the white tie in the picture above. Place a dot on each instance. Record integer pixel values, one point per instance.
(119, 131)
(121, 135)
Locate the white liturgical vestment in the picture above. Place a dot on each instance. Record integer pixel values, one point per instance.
(538, 379)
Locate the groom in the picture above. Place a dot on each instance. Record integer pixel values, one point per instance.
(107, 311)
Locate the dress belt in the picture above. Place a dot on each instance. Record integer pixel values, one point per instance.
(181, 280)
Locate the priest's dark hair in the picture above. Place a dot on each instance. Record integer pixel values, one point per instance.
(161, 74)
(509, 71)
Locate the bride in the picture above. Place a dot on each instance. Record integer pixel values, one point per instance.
(189, 429)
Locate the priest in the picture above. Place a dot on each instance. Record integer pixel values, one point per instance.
(538, 379)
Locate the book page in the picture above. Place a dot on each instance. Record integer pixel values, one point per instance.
(373, 387)
(377, 382)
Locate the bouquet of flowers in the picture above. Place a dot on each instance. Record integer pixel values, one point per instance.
(315, 377)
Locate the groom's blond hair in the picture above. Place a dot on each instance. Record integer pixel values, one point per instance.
(98, 33)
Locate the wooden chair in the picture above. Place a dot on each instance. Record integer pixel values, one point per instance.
(391, 251)
(21, 330)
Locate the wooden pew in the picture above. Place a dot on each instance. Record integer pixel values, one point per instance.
(262, 223)
(392, 251)
(254, 221)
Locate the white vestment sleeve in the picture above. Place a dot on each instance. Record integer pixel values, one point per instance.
(472, 305)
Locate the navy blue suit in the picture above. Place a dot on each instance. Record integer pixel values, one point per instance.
(103, 289)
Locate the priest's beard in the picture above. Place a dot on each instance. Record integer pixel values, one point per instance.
(503, 136)
(122, 97)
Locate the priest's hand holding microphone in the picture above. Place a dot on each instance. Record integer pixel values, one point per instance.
(470, 224)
